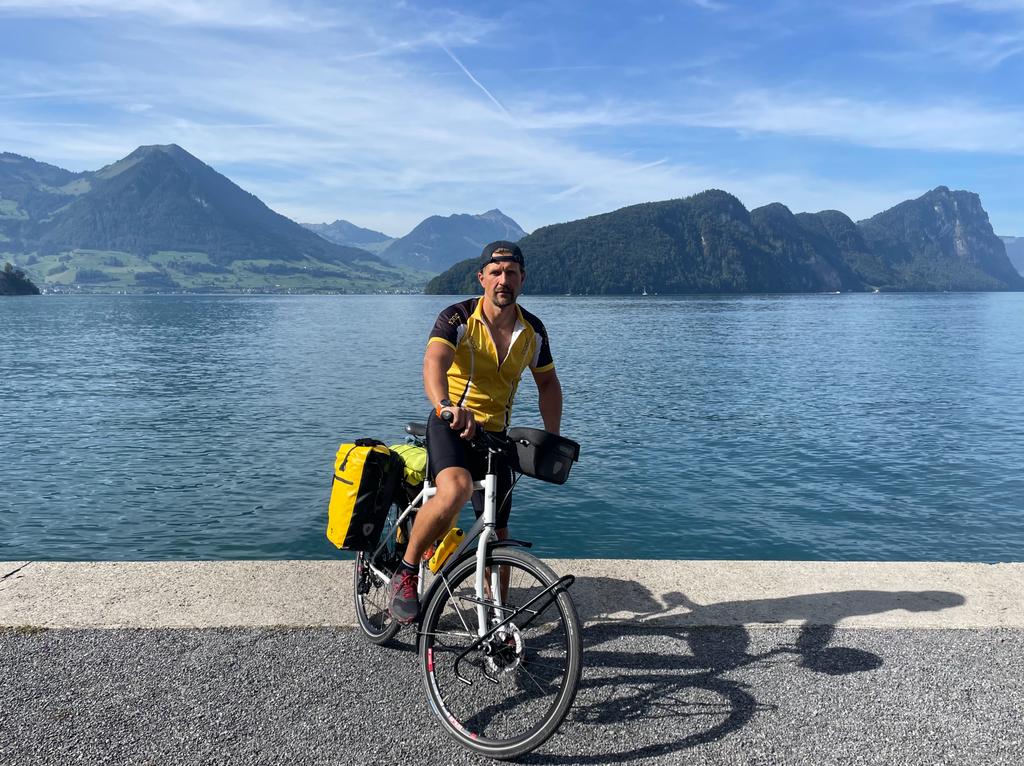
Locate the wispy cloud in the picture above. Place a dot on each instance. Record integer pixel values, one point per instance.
(229, 13)
(710, 5)
(980, 6)
(984, 51)
(373, 142)
(935, 30)
(950, 125)
(385, 113)
(597, 183)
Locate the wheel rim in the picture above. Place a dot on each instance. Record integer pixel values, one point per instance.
(533, 664)
(372, 594)
(371, 598)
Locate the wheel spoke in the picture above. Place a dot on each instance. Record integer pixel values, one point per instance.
(522, 676)
(371, 593)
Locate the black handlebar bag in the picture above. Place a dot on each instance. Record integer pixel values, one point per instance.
(366, 475)
(543, 455)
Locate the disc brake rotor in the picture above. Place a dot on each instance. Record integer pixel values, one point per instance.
(507, 650)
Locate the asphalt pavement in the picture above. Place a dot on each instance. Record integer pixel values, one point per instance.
(650, 694)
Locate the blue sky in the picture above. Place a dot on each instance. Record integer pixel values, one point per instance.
(383, 113)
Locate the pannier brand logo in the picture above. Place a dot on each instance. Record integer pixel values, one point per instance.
(367, 530)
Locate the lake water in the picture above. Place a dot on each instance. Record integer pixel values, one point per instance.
(840, 427)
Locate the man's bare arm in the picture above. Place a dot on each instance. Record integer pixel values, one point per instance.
(549, 396)
(436, 361)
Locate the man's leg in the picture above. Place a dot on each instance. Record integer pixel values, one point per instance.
(454, 486)
(447, 455)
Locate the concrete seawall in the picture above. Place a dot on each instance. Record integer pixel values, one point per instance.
(653, 593)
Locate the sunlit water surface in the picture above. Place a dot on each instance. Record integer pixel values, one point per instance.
(758, 427)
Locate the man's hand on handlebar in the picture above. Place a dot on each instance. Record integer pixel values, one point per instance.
(459, 419)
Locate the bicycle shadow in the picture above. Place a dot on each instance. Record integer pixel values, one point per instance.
(675, 684)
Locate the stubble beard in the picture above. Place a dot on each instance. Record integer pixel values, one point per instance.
(502, 299)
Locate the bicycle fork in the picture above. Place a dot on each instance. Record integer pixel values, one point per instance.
(490, 504)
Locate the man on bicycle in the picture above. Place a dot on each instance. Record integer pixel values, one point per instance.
(474, 360)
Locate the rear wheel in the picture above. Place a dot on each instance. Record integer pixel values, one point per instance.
(518, 685)
(371, 586)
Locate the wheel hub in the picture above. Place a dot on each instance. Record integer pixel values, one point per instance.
(505, 650)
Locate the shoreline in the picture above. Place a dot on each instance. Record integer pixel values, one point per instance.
(644, 593)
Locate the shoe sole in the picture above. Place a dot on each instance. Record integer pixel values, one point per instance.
(403, 620)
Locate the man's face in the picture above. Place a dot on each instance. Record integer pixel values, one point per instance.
(502, 282)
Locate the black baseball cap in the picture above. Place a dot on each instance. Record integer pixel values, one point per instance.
(514, 254)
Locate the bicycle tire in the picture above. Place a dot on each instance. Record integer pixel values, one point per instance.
(371, 594)
(537, 664)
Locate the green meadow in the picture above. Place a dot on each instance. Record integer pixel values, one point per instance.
(111, 271)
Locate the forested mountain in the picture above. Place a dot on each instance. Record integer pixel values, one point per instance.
(438, 242)
(710, 243)
(344, 233)
(1015, 252)
(14, 282)
(941, 241)
(162, 219)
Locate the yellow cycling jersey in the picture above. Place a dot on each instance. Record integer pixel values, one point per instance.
(475, 380)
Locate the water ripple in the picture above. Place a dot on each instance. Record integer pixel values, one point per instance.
(767, 427)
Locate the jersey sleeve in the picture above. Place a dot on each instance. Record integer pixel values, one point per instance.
(542, 360)
(448, 325)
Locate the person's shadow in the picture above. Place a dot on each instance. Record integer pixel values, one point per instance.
(682, 692)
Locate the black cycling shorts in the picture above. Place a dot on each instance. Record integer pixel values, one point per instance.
(447, 449)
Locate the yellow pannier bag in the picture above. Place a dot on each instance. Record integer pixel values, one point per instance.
(366, 474)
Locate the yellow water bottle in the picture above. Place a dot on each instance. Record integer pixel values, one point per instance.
(445, 549)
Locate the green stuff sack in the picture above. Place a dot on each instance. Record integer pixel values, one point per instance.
(414, 459)
(366, 475)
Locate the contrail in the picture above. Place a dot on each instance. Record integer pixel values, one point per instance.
(628, 172)
(476, 81)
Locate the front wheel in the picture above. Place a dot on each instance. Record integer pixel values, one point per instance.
(518, 685)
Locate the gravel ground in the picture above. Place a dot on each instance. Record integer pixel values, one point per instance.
(706, 695)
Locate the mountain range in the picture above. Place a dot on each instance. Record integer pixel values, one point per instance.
(438, 242)
(162, 219)
(1015, 252)
(710, 243)
(344, 233)
(434, 245)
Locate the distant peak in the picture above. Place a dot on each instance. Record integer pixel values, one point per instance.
(147, 149)
(716, 194)
(957, 196)
(152, 153)
(775, 208)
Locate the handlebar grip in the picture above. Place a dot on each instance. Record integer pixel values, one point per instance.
(447, 416)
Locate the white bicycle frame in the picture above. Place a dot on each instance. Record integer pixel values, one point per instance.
(489, 519)
(487, 534)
